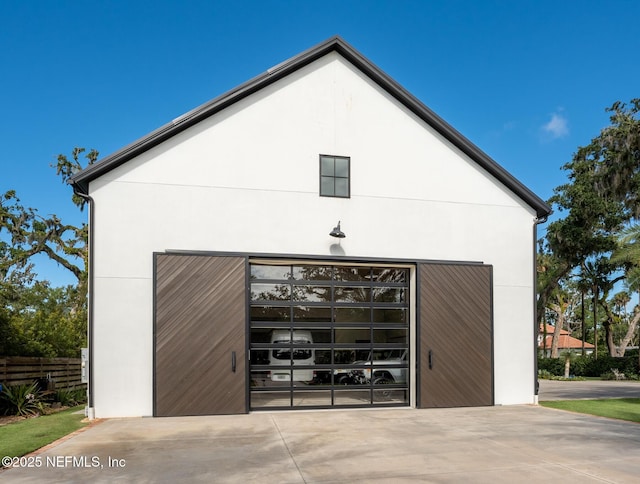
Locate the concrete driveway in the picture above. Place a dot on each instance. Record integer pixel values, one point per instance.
(489, 444)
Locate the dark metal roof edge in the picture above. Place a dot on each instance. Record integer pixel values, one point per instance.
(200, 113)
(287, 67)
(445, 129)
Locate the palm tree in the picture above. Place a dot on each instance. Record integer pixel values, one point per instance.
(560, 303)
(595, 274)
(620, 301)
(583, 285)
(628, 247)
(628, 255)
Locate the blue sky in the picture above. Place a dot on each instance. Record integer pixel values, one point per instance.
(526, 81)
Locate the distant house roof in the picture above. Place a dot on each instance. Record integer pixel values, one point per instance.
(81, 180)
(551, 329)
(565, 341)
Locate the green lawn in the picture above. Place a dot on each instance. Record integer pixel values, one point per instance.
(620, 408)
(20, 438)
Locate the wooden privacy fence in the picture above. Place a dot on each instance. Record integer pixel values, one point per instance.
(55, 373)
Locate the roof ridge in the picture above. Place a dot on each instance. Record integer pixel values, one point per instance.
(81, 180)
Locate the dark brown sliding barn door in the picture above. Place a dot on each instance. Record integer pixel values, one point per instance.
(199, 335)
(456, 336)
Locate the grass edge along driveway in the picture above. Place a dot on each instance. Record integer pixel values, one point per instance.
(25, 436)
(618, 408)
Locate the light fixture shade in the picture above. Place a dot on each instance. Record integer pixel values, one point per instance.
(336, 232)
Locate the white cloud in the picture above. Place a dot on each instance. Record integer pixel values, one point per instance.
(557, 127)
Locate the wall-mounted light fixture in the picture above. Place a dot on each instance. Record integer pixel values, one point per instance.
(336, 232)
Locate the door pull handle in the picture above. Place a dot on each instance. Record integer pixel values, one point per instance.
(233, 361)
(430, 360)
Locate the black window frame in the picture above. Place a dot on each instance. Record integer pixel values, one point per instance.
(334, 177)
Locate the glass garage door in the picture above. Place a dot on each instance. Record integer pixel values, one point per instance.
(325, 336)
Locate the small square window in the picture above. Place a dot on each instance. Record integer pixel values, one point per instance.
(334, 176)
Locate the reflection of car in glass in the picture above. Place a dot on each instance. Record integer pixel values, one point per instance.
(382, 375)
(286, 356)
(342, 376)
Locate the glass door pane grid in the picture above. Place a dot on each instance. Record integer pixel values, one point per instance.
(287, 296)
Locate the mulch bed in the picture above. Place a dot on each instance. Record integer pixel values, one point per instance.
(7, 419)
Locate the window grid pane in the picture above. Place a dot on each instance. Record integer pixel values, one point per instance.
(327, 186)
(342, 167)
(334, 176)
(327, 166)
(341, 187)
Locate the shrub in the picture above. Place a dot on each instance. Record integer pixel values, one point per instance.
(606, 363)
(4, 405)
(66, 397)
(80, 395)
(69, 397)
(554, 366)
(544, 375)
(579, 365)
(590, 366)
(23, 400)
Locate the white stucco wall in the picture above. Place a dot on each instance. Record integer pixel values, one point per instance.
(246, 180)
